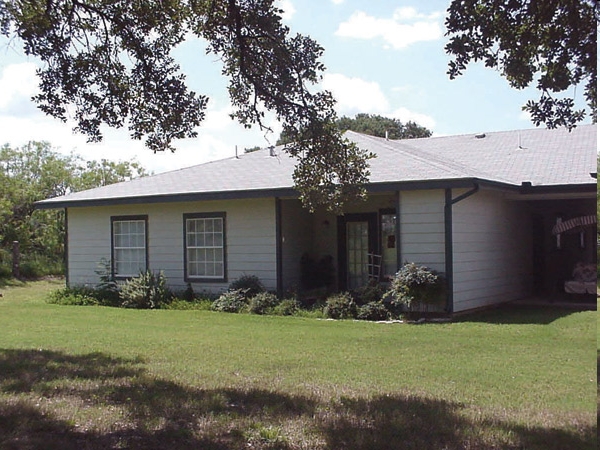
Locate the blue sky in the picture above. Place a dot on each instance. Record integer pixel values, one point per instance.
(383, 57)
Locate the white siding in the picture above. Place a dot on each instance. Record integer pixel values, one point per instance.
(492, 250)
(250, 236)
(421, 221)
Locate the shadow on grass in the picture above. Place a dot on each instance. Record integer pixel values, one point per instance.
(518, 314)
(139, 411)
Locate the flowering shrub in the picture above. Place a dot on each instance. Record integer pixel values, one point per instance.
(414, 283)
(232, 301)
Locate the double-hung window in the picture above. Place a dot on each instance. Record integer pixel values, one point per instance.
(204, 242)
(129, 245)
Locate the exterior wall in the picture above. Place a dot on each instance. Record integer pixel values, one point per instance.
(421, 222)
(250, 240)
(492, 250)
(297, 237)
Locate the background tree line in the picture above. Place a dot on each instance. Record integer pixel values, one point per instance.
(35, 172)
(374, 125)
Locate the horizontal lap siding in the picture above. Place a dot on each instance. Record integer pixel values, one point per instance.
(250, 236)
(422, 228)
(492, 250)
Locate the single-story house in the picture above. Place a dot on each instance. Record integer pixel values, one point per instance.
(478, 208)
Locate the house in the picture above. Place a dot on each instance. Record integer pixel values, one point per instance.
(479, 208)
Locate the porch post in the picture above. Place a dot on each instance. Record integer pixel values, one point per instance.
(448, 254)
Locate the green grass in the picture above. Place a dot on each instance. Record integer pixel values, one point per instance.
(97, 377)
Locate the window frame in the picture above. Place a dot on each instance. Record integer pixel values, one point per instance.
(204, 279)
(113, 219)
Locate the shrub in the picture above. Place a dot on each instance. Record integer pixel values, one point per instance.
(248, 285)
(33, 266)
(287, 307)
(81, 296)
(340, 306)
(371, 292)
(182, 304)
(414, 283)
(107, 291)
(263, 303)
(231, 301)
(146, 291)
(373, 311)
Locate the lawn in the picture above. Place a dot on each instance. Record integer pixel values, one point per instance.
(98, 377)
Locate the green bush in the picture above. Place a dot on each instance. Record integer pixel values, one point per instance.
(248, 285)
(371, 292)
(263, 303)
(146, 291)
(71, 296)
(416, 284)
(33, 266)
(373, 311)
(287, 307)
(107, 291)
(183, 304)
(232, 301)
(340, 306)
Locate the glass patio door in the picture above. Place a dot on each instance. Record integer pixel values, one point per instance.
(357, 247)
(357, 237)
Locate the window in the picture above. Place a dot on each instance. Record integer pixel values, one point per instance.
(389, 253)
(204, 242)
(129, 245)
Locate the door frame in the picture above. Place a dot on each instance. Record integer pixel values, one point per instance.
(373, 223)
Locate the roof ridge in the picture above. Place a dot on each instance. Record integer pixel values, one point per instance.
(402, 146)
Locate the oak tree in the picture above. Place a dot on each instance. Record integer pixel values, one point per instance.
(111, 63)
(549, 44)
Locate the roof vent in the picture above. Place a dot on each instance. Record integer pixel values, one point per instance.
(480, 136)
(272, 151)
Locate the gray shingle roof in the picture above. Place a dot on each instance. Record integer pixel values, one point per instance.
(539, 156)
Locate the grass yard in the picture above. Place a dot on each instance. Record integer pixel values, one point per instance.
(98, 377)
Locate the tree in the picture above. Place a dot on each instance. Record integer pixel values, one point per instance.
(35, 172)
(110, 62)
(549, 43)
(376, 125)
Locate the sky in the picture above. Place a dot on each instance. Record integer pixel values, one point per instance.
(384, 57)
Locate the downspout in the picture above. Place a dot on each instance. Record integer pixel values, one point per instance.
(278, 247)
(66, 247)
(449, 244)
(398, 234)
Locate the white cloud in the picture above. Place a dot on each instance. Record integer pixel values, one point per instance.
(406, 27)
(288, 9)
(337, 2)
(355, 95)
(18, 83)
(405, 115)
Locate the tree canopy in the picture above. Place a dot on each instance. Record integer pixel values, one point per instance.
(111, 63)
(374, 125)
(547, 43)
(35, 172)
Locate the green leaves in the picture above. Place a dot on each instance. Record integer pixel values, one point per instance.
(108, 62)
(35, 172)
(550, 44)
